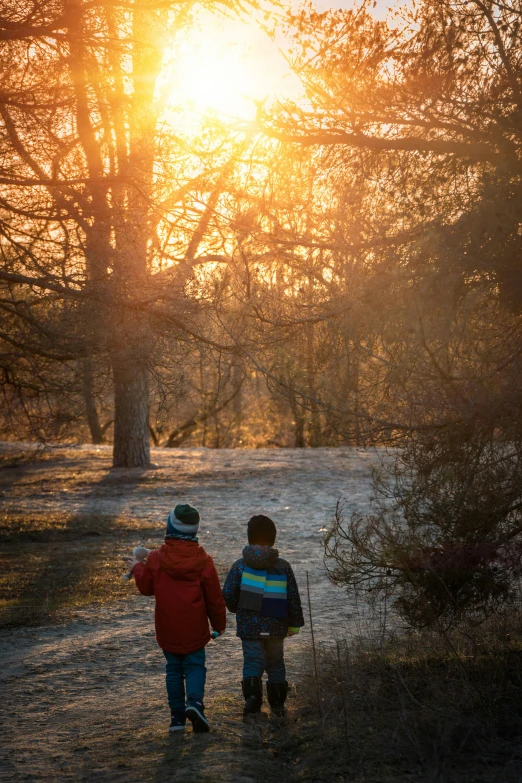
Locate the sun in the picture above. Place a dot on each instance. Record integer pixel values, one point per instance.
(225, 66)
(218, 76)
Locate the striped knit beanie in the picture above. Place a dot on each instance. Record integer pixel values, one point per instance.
(183, 521)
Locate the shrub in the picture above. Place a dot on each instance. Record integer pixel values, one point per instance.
(425, 706)
(444, 539)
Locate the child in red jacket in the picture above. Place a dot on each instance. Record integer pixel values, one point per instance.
(184, 581)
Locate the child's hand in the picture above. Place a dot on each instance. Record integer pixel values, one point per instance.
(131, 561)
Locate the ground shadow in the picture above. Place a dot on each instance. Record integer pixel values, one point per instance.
(57, 560)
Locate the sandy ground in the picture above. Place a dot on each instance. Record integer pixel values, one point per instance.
(85, 700)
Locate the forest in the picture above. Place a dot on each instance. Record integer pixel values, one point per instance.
(334, 270)
(339, 269)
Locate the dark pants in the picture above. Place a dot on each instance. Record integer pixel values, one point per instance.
(185, 671)
(264, 655)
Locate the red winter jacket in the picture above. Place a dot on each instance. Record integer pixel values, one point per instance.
(184, 581)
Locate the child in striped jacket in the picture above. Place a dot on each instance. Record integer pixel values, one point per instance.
(262, 591)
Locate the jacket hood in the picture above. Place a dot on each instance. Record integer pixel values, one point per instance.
(260, 557)
(183, 560)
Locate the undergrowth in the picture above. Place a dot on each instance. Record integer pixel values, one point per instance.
(427, 706)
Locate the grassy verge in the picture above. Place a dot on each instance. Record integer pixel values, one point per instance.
(426, 707)
(57, 563)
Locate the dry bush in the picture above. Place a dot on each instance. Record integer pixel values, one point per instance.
(444, 537)
(424, 706)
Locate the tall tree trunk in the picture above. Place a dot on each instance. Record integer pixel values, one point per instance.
(299, 414)
(299, 418)
(131, 410)
(355, 376)
(315, 438)
(132, 339)
(90, 402)
(237, 402)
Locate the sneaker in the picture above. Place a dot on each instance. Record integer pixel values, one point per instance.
(196, 715)
(177, 723)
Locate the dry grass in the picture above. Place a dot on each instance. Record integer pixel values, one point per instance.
(15, 457)
(427, 707)
(54, 564)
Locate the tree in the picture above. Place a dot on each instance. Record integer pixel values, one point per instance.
(429, 113)
(101, 194)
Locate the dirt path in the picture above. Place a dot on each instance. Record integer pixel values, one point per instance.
(84, 700)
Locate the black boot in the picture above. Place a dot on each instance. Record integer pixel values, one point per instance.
(253, 693)
(276, 692)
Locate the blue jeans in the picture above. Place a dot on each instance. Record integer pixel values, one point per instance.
(184, 670)
(261, 655)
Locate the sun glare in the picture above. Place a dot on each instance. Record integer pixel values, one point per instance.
(225, 66)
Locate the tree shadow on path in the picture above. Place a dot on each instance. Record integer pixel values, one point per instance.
(65, 556)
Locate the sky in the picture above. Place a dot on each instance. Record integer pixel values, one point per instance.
(379, 11)
(228, 65)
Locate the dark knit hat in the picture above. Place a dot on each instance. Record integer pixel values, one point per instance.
(184, 520)
(261, 530)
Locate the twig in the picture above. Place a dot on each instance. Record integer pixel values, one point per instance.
(341, 677)
(385, 614)
(313, 643)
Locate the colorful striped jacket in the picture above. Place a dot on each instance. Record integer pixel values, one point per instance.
(261, 590)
